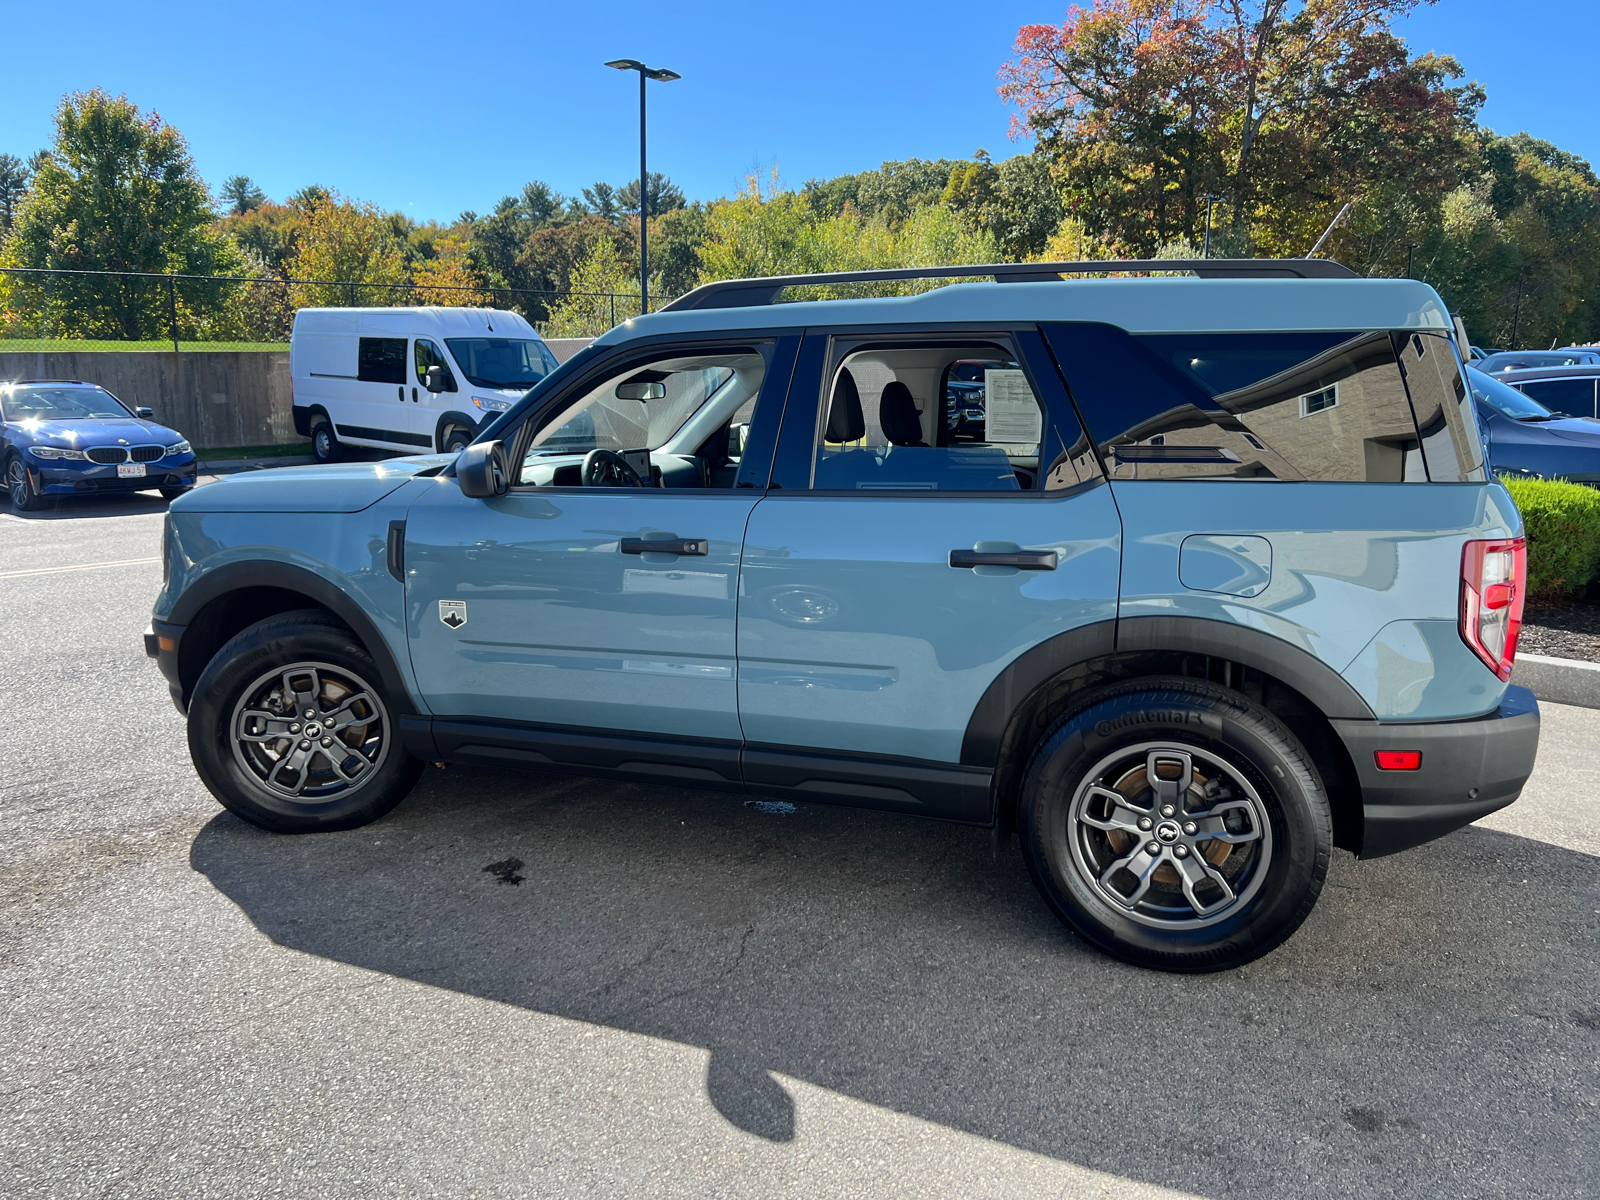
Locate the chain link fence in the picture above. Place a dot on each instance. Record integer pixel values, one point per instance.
(45, 310)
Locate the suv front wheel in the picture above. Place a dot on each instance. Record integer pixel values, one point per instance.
(1174, 824)
(290, 728)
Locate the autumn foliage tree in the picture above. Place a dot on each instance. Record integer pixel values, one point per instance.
(1284, 108)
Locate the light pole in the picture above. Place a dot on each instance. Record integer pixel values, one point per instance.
(660, 75)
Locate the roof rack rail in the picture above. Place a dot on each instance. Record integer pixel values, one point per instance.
(747, 293)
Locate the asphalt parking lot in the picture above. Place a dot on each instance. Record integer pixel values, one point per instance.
(524, 985)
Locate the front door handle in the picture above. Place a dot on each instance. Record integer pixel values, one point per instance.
(696, 546)
(1026, 560)
(402, 390)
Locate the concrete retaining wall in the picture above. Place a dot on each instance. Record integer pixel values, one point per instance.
(212, 397)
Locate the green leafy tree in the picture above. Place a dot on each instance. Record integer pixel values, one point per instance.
(675, 241)
(664, 195)
(1017, 201)
(343, 245)
(605, 290)
(603, 201)
(116, 192)
(242, 194)
(893, 192)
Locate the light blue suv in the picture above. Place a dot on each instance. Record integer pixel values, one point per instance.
(1222, 584)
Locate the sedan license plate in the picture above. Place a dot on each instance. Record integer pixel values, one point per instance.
(130, 470)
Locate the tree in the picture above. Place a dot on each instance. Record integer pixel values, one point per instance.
(1287, 107)
(664, 195)
(343, 243)
(117, 192)
(450, 276)
(242, 194)
(605, 290)
(893, 191)
(603, 201)
(1017, 202)
(14, 177)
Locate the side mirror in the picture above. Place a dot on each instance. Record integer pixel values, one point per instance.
(483, 471)
(144, 412)
(437, 379)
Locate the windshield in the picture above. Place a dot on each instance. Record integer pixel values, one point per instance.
(1529, 360)
(502, 362)
(1504, 399)
(60, 404)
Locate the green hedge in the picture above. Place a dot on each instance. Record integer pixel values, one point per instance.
(1563, 527)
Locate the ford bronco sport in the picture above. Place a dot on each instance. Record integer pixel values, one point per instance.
(1223, 583)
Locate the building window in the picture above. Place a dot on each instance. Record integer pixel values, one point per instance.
(1315, 402)
(1160, 439)
(1254, 441)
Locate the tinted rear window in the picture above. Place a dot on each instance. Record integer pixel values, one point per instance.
(1575, 397)
(382, 360)
(1329, 406)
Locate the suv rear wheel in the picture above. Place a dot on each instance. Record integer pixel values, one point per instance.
(290, 728)
(1174, 824)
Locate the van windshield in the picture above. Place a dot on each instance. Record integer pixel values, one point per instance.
(502, 362)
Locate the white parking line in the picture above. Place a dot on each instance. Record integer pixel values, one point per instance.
(126, 562)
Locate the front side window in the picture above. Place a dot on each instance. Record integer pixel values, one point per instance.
(24, 403)
(381, 360)
(505, 363)
(928, 417)
(677, 422)
(426, 355)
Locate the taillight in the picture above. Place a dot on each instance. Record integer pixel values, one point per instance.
(1494, 579)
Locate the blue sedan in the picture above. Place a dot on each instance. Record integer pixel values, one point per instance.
(1526, 438)
(63, 438)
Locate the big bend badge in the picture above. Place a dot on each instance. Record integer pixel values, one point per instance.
(453, 613)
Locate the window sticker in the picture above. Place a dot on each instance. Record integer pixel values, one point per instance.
(1012, 414)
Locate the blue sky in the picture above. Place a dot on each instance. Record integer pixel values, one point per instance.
(433, 108)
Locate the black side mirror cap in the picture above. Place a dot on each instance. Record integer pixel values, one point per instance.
(144, 412)
(483, 470)
(437, 379)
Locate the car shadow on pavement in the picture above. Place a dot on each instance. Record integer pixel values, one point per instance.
(78, 508)
(1435, 1026)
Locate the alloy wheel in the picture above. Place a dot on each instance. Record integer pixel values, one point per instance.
(310, 732)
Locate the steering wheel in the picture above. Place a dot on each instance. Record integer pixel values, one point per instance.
(607, 468)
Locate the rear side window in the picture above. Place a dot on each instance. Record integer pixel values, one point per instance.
(1327, 406)
(381, 360)
(1442, 407)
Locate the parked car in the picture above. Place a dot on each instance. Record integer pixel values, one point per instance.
(963, 399)
(1526, 437)
(63, 437)
(408, 379)
(1226, 585)
(1528, 360)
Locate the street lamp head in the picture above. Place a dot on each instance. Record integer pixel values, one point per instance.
(659, 74)
(627, 64)
(662, 75)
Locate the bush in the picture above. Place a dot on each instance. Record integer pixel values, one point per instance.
(1562, 521)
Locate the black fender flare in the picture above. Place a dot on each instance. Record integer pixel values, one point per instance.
(305, 416)
(448, 419)
(1319, 683)
(280, 576)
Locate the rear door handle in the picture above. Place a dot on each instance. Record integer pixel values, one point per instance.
(1026, 560)
(697, 546)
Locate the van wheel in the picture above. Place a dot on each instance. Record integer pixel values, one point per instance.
(456, 439)
(324, 442)
(290, 728)
(1173, 824)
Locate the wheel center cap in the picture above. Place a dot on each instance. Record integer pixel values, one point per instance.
(313, 729)
(1167, 832)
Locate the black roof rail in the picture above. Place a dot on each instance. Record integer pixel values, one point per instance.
(743, 293)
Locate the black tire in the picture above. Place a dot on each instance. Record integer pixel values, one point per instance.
(325, 446)
(174, 493)
(1217, 902)
(456, 439)
(23, 495)
(249, 770)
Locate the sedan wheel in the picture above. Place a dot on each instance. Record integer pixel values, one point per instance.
(19, 486)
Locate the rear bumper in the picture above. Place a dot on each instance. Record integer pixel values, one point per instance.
(1469, 769)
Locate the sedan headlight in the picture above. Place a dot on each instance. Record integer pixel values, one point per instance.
(180, 448)
(56, 452)
(489, 405)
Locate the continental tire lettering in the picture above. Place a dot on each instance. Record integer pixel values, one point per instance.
(1147, 717)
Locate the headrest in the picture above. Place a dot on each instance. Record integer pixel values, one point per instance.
(897, 414)
(845, 421)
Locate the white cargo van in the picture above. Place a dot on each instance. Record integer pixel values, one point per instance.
(409, 379)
